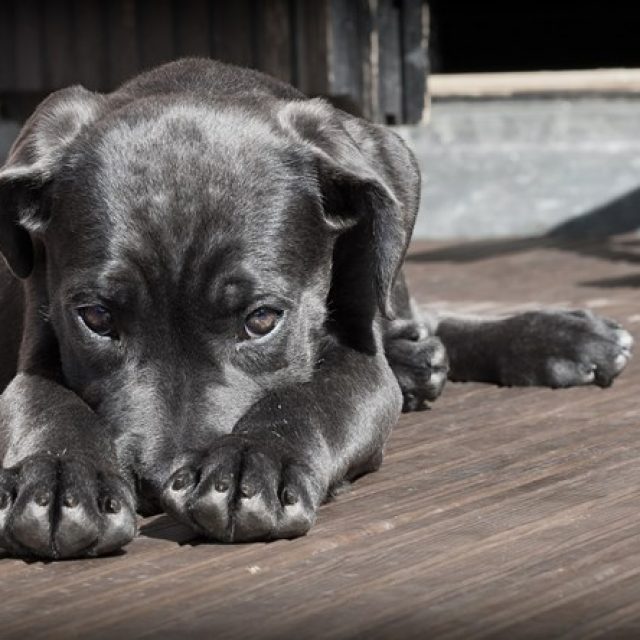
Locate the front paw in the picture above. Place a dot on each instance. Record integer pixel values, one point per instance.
(564, 349)
(244, 489)
(418, 360)
(63, 507)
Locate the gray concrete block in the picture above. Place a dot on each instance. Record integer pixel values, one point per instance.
(496, 168)
(501, 168)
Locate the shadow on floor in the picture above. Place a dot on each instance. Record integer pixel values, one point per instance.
(632, 280)
(166, 528)
(621, 215)
(590, 234)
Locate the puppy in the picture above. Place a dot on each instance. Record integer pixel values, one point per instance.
(203, 312)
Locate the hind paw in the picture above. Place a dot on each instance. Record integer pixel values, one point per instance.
(564, 349)
(419, 362)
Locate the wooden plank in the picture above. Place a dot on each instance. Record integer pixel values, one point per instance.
(311, 47)
(414, 59)
(29, 72)
(193, 28)
(156, 32)
(273, 38)
(389, 62)
(592, 81)
(503, 513)
(7, 46)
(123, 47)
(350, 26)
(58, 34)
(90, 43)
(233, 37)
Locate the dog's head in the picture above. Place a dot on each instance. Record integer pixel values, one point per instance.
(191, 256)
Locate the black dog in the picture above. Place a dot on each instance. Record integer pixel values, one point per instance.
(208, 316)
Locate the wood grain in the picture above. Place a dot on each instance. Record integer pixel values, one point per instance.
(499, 513)
(273, 38)
(27, 40)
(389, 61)
(580, 81)
(324, 47)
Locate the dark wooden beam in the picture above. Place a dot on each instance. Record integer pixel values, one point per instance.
(29, 69)
(389, 62)
(273, 38)
(311, 46)
(90, 42)
(414, 58)
(156, 32)
(124, 58)
(350, 55)
(59, 63)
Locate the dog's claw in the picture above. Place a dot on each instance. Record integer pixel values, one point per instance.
(70, 501)
(35, 522)
(247, 490)
(289, 496)
(222, 485)
(252, 471)
(182, 480)
(563, 349)
(113, 505)
(42, 498)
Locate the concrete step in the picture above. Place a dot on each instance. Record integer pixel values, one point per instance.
(520, 167)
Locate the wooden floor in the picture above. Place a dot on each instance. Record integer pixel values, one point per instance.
(499, 513)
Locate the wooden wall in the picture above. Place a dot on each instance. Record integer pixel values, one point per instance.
(368, 55)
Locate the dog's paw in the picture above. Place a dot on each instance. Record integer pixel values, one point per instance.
(419, 362)
(564, 349)
(63, 507)
(243, 490)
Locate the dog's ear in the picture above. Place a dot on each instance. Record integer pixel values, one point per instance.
(369, 183)
(33, 161)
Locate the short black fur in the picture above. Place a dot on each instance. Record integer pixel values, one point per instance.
(178, 205)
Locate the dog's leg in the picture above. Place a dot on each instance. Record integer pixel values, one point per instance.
(267, 478)
(417, 357)
(547, 348)
(61, 492)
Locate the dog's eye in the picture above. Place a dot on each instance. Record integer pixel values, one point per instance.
(98, 319)
(261, 321)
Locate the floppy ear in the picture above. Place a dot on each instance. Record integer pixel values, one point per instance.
(33, 161)
(370, 186)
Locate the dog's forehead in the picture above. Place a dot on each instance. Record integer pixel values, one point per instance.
(181, 186)
(188, 160)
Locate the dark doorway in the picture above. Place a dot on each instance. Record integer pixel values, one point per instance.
(533, 35)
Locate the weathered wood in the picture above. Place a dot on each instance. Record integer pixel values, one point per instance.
(414, 59)
(7, 47)
(311, 46)
(29, 72)
(232, 32)
(389, 62)
(323, 47)
(274, 50)
(349, 25)
(58, 59)
(90, 44)
(193, 28)
(124, 59)
(156, 32)
(536, 83)
(502, 513)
